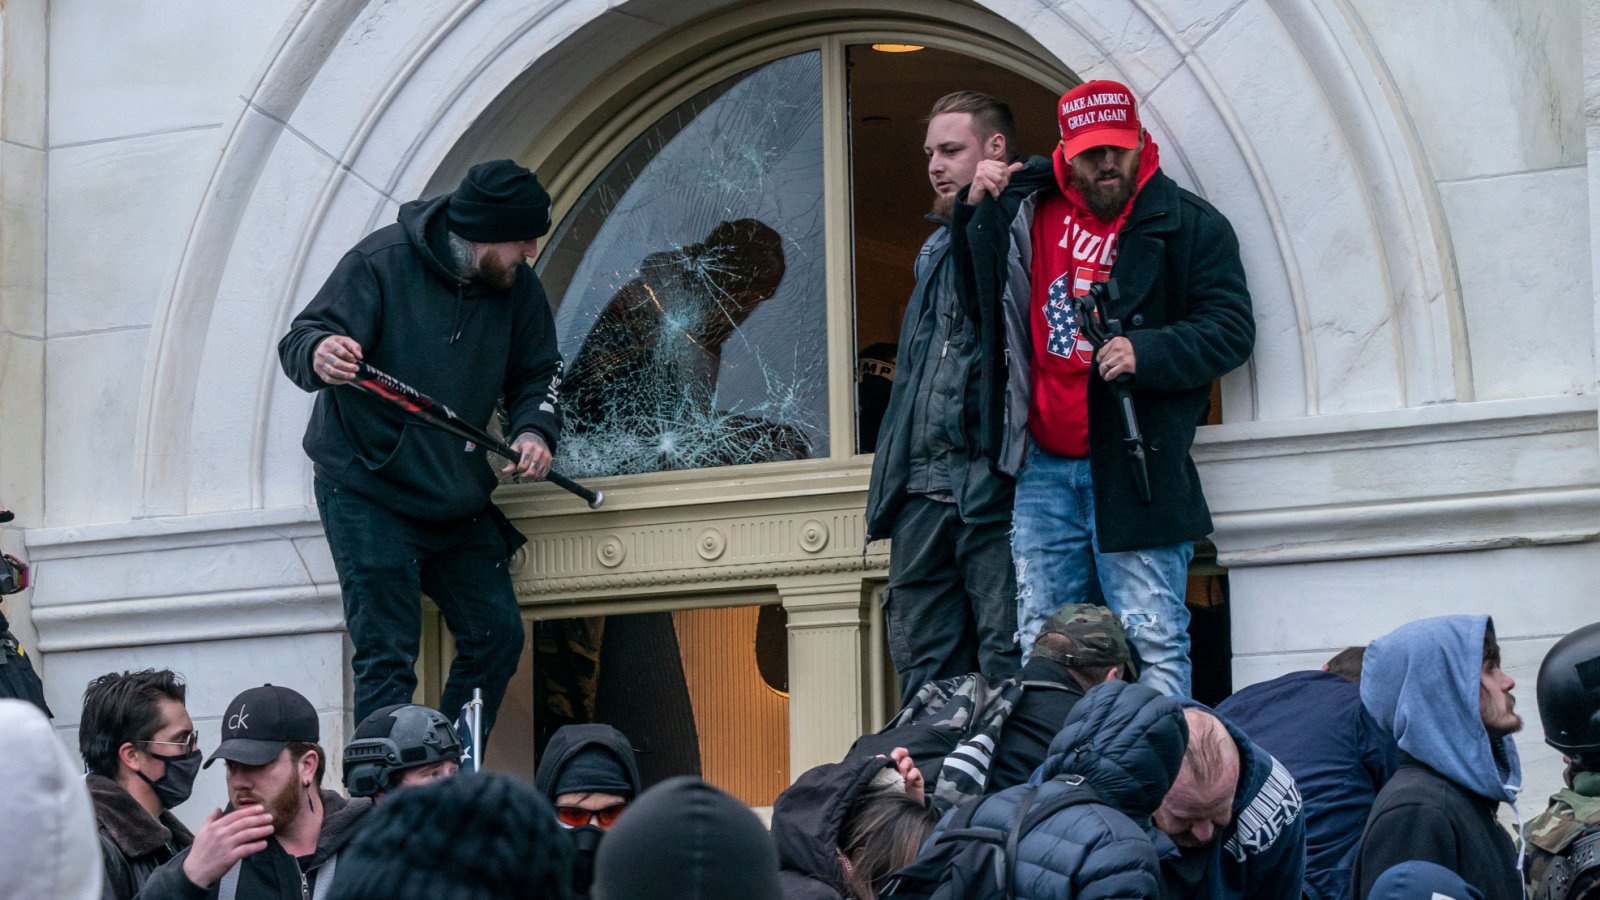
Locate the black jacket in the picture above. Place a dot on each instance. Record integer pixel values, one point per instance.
(132, 844)
(1261, 853)
(1125, 741)
(271, 874)
(806, 821)
(1186, 310)
(1049, 693)
(1422, 815)
(455, 340)
(941, 378)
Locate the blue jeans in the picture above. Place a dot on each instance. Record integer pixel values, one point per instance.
(1058, 563)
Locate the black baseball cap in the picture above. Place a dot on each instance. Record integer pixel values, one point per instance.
(261, 722)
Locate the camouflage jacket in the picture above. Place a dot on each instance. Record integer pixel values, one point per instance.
(1572, 813)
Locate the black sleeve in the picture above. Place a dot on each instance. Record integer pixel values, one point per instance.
(533, 371)
(1217, 333)
(350, 303)
(169, 883)
(1401, 834)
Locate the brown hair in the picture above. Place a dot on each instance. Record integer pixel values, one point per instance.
(121, 708)
(1347, 663)
(298, 749)
(989, 116)
(880, 835)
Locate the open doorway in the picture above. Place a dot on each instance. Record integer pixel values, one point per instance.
(891, 92)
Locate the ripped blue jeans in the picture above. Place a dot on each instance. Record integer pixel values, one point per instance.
(1054, 548)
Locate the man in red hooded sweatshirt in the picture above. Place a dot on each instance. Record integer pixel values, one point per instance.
(1035, 236)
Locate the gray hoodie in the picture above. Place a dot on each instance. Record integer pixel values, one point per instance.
(48, 844)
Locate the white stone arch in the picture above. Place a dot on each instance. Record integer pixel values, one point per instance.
(1276, 110)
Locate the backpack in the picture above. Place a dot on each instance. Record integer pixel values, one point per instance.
(975, 863)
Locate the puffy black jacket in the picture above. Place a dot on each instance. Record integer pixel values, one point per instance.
(1125, 741)
(132, 844)
(1186, 310)
(806, 820)
(455, 340)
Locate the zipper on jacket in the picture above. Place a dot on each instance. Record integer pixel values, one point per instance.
(945, 351)
(305, 886)
(456, 325)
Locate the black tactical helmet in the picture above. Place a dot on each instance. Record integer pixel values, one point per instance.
(1569, 692)
(393, 739)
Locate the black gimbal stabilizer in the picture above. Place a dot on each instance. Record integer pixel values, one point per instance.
(1096, 324)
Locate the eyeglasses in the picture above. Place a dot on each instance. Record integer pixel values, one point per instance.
(189, 745)
(577, 816)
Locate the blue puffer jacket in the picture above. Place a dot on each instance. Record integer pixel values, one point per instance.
(1126, 741)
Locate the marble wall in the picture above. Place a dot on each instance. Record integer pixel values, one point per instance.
(1414, 186)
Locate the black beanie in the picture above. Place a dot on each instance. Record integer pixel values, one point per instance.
(685, 840)
(499, 202)
(594, 769)
(472, 836)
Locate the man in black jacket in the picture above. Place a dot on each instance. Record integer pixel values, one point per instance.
(281, 835)
(1234, 818)
(1437, 686)
(442, 301)
(1102, 209)
(140, 748)
(950, 604)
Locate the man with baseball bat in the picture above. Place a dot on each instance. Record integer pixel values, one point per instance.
(442, 303)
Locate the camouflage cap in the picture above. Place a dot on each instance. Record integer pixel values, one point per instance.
(1093, 637)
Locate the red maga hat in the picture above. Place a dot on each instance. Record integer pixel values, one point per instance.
(1098, 114)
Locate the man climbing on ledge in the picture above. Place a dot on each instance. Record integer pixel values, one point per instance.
(1043, 232)
(442, 301)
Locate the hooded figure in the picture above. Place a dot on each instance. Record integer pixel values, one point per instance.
(685, 840)
(591, 760)
(1424, 683)
(48, 846)
(1126, 742)
(815, 819)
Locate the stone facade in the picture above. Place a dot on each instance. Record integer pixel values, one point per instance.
(1416, 188)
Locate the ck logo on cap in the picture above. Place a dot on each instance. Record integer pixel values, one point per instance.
(239, 721)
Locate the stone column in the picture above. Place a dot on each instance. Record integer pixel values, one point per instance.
(827, 679)
(22, 281)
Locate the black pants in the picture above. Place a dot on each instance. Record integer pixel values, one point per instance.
(385, 561)
(951, 603)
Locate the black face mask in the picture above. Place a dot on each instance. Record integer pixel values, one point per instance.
(585, 841)
(177, 783)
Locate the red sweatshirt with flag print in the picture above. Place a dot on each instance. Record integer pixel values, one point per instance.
(1072, 249)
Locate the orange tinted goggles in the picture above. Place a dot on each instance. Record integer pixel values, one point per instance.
(577, 816)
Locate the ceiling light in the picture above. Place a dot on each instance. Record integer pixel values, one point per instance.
(897, 48)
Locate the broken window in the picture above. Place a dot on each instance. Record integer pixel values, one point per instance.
(689, 286)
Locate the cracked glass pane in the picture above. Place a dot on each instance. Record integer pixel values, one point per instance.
(689, 286)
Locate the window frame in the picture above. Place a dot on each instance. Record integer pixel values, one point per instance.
(607, 116)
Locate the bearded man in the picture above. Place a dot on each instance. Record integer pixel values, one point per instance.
(441, 300)
(1043, 232)
(281, 834)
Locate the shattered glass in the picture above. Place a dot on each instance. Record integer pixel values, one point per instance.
(689, 286)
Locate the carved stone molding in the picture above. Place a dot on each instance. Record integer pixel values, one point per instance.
(611, 551)
(813, 536)
(705, 577)
(710, 544)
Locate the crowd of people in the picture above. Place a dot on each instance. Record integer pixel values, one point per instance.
(1379, 776)
(1033, 471)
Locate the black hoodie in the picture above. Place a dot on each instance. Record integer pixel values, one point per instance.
(456, 340)
(271, 874)
(806, 820)
(566, 743)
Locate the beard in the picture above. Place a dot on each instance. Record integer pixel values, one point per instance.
(944, 206)
(1106, 200)
(496, 274)
(1500, 722)
(284, 806)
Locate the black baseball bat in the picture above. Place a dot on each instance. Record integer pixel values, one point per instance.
(432, 412)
